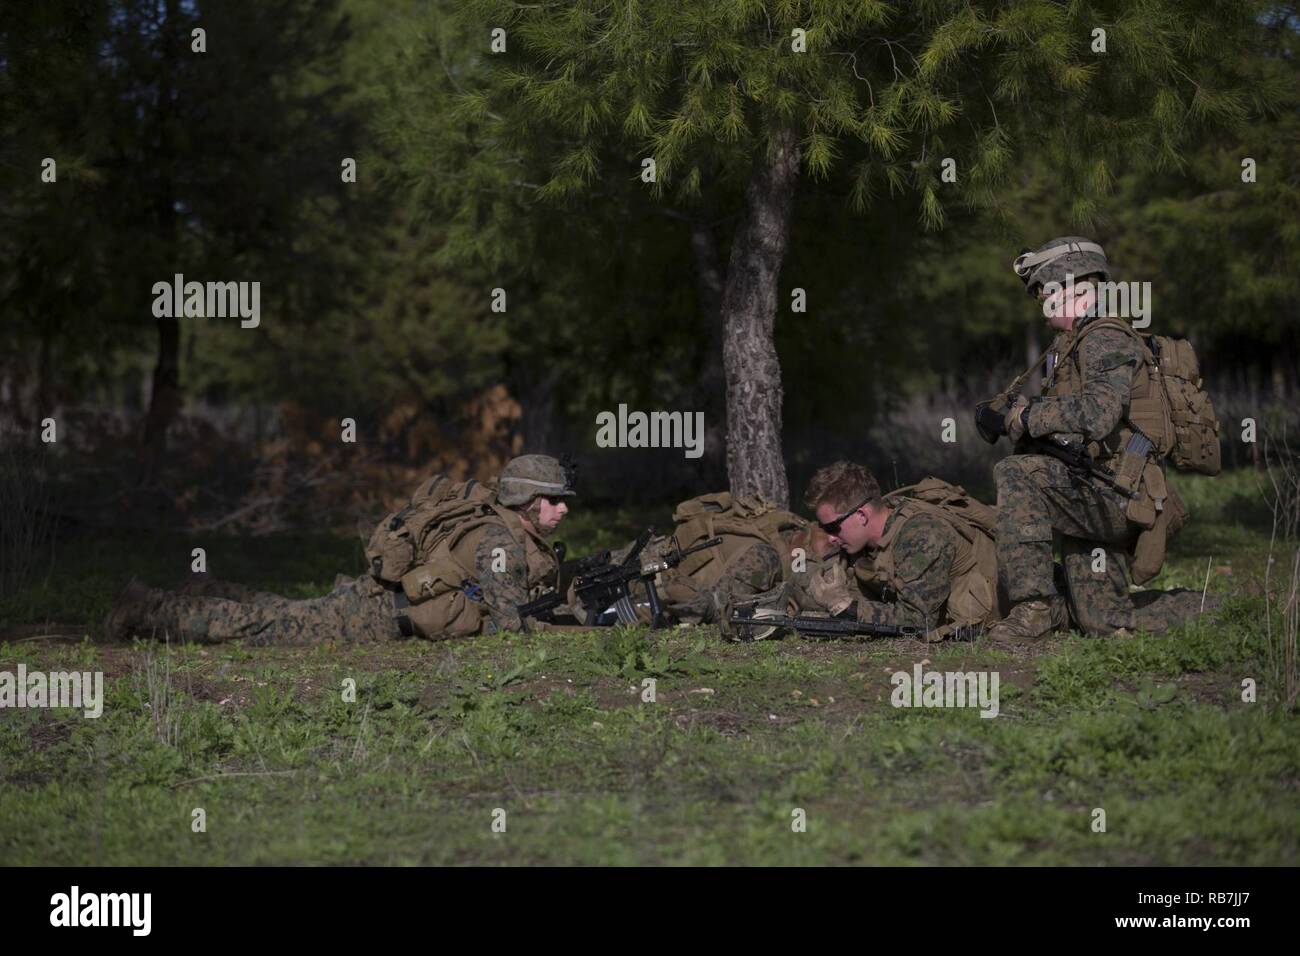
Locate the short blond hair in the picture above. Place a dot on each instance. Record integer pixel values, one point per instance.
(842, 485)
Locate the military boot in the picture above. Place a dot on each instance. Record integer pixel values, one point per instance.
(1030, 620)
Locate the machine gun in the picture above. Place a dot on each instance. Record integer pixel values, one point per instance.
(601, 586)
(755, 623)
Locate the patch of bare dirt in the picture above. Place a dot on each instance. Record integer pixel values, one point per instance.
(728, 723)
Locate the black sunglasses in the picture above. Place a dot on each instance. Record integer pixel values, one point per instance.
(833, 527)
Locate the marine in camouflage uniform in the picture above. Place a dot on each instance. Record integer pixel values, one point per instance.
(752, 558)
(505, 555)
(755, 570)
(1095, 386)
(892, 560)
(209, 611)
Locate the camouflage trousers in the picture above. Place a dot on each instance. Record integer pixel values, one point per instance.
(209, 611)
(752, 571)
(688, 600)
(1038, 498)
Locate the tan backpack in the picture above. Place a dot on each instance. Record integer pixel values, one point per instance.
(1179, 416)
(1196, 427)
(974, 595)
(407, 536)
(968, 514)
(740, 521)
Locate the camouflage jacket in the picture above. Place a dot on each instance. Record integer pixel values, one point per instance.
(922, 555)
(1087, 395)
(511, 564)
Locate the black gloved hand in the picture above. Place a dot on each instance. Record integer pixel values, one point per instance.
(990, 422)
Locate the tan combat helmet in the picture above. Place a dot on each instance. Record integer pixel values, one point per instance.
(528, 476)
(1052, 261)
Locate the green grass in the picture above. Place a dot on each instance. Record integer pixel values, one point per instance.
(553, 729)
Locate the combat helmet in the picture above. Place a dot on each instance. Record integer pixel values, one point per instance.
(527, 476)
(1053, 260)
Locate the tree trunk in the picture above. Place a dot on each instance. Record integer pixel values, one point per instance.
(535, 391)
(45, 370)
(165, 394)
(711, 383)
(754, 459)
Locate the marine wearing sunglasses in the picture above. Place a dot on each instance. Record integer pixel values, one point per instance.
(860, 526)
(832, 527)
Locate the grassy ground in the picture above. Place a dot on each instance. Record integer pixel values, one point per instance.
(553, 729)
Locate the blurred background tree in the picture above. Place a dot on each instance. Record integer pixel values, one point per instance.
(521, 172)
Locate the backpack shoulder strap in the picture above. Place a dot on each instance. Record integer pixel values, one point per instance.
(904, 510)
(882, 561)
(971, 519)
(1109, 322)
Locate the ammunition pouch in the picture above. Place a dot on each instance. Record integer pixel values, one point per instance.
(451, 615)
(1149, 550)
(439, 600)
(1131, 468)
(1145, 507)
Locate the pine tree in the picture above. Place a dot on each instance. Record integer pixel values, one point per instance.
(222, 164)
(736, 101)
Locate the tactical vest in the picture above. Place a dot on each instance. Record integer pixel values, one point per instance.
(1148, 410)
(1155, 508)
(441, 587)
(741, 522)
(973, 595)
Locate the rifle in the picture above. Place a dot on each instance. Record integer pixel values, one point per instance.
(748, 621)
(601, 585)
(541, 607)
(991, 425)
